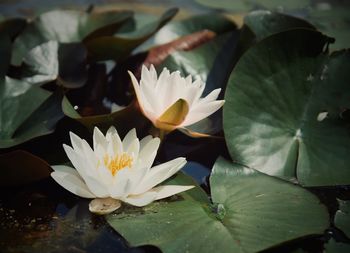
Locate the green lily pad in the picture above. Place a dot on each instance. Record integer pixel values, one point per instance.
(248, 5)
(67, 26)
(120, 45)
(252, 212)
(342, 217)
(64, 62)
(283, 109)
(124, 120)
(334, 22)
(26, 112)
(213, 22)
(336, 247)
(20, 167)
(265, 23)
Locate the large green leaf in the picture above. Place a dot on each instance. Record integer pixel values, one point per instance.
(342, 217)
(66, 26)
(213, 22)
(120, 45)
(247, 5)
(265, 23)
(64, 62)
(252, 212)
(283, 109)
(26, 112)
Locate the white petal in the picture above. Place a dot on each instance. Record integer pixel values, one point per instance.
(212, 96)
(158, 174)
(165, 191)
(76, 160)
(129, 138)
(97, 187)
(141, 199)
(148, 152)
(99, 139)
(133, 149)
(69, 179)
(121, 184)
(202, 112)
(145, 140)
(76, 141)
(112, 136)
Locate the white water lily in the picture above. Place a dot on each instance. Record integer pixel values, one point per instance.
(117, 170)
(172, 101)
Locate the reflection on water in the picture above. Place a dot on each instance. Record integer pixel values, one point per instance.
(45, 218)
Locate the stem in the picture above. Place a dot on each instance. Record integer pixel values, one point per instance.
(162, 134)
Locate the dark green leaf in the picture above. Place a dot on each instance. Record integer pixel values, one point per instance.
(248, 5)
(67, 26)
(342, 217)
(283, 109)
(336, 247)
(65, 62)
(251, 214)
(12, 27)
(120, 45)
(124, 120)
(266, 23)
(26, 112)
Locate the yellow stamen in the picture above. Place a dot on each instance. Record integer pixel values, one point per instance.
(118, 162)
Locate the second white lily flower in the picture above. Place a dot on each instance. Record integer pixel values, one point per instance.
(116, 170)
(172, 101)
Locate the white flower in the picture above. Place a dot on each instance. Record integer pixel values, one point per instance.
(116, 170)
(172, 101)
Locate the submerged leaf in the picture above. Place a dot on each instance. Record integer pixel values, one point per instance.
(20, 167)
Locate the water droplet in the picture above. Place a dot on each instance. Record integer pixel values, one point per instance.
(321, 116)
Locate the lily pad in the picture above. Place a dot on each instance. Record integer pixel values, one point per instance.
(124, 120)
(50, 61)
(265, 23)
(342, 217)
(334, 22)
(120, 45)
(285, 119)
(20, 167)
(336, 247)
(67, 26)
(26, 112)
(247, 5)
(248, 207)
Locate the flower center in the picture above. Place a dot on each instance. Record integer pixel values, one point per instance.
(118, 162)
